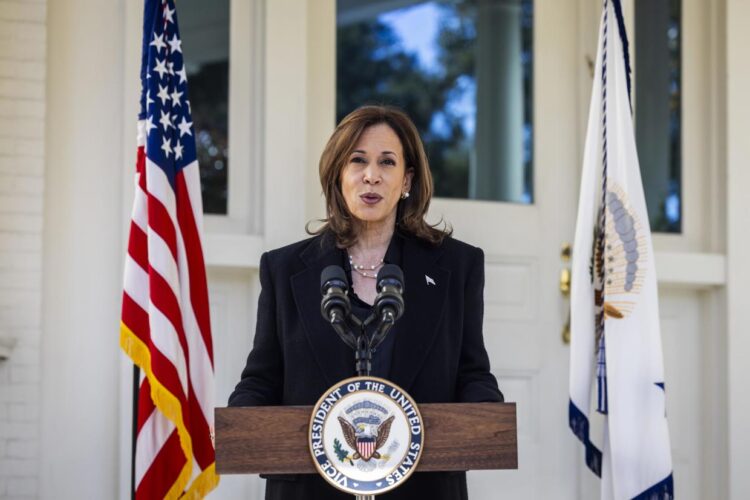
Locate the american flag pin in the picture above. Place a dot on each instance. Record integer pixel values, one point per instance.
(429, 280)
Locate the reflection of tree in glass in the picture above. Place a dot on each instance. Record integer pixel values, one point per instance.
(209, 93)
(374, 67)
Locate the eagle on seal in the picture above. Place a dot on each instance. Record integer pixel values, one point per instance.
(366, 445)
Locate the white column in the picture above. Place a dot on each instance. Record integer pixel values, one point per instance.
(496, 172)
(83, 248)
(738, 245)
(299, 113)
(286, 162)
(321, 96)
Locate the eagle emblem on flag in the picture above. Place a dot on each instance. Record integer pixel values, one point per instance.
(366, 444)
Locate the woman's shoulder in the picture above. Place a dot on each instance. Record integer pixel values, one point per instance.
(294, 251)
(457, 246)
(451, 247)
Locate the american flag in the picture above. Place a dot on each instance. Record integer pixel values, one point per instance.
(366, 446)
(165, 326)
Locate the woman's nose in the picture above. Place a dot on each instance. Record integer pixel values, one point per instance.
(371, 175)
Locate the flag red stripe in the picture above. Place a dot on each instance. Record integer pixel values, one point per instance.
(196, 267)
(135, 318)
(140, 165)
(203, 448)
(166, 373)
(161, 222)
(145, 404)
(138, 246)
(163, 471)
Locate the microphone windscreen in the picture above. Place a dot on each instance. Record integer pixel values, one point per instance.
(390, 272)
(333, 274)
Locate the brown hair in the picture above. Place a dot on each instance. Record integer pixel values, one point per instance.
(411, 211)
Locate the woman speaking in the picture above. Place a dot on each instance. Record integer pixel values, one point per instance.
(377, 185)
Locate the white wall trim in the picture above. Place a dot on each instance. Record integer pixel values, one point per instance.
(738, 246)
(233, 250)
(695, 270)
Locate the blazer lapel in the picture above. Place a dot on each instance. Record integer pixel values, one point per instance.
(335, 359)
(425, 296)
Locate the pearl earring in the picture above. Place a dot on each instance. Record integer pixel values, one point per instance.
(404, 195)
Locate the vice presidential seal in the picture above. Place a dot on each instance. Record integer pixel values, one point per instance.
(366, 435)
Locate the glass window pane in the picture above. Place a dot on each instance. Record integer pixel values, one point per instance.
(658, 109)
(463, 71)
(204, 28)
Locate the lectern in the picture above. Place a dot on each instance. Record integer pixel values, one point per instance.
(365, 435)
(274, 440)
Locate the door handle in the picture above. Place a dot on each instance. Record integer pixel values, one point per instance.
(565, 281)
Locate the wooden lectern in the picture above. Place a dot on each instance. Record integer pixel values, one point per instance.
(274, 439)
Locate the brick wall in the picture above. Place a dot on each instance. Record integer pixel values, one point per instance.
(22, 108)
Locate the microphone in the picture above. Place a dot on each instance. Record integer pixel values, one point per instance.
(390, 287)
(335, 305)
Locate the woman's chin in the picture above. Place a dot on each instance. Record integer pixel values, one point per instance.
(372, 217)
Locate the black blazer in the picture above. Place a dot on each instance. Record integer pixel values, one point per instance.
(438, 356)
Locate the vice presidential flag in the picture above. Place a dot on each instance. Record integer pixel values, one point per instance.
(616, 367)
(165, 325)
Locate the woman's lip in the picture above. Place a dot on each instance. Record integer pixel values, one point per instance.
(370, 198)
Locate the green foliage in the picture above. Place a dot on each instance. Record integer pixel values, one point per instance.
(341, 453)
(373, 67)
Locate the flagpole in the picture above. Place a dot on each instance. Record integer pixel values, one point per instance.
(136, 377)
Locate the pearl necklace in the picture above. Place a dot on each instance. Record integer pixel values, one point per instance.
(362, 269)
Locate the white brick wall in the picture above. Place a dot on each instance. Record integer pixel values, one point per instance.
(23, 50)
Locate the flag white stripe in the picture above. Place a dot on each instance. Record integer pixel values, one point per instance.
(161, 260)
(191, 174)
(139, 216)
(140, 134)
(136, 283)
(164, 338)
(159, 187)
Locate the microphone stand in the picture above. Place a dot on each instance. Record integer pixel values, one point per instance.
(362, 346)
(365, 346)
(364, 350)
(345, 325)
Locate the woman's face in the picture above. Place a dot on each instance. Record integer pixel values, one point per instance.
(375, 175)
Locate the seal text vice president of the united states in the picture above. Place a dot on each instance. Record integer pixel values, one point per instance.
(377, 185)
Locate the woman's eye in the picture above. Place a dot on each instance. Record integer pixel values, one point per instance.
(388, 161)
(358, 159)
